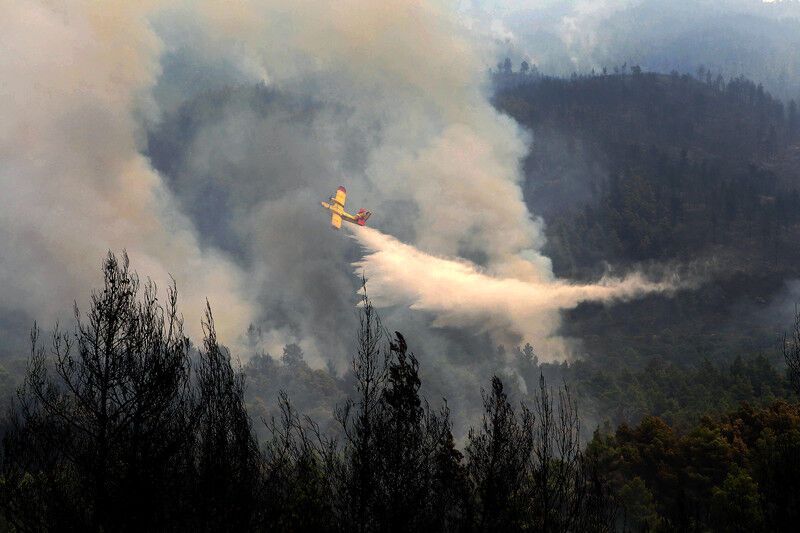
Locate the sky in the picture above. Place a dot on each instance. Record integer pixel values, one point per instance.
(756, 39)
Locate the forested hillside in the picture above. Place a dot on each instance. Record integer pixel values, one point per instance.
(674, 166)
(400, 266)
(637, 170)
(122, 425)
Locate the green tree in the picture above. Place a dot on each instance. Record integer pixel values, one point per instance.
(637, 508)
(736, 505)
(498, 458)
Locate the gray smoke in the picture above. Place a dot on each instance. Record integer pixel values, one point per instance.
(386, 99)
(201, 135)
(73, 183)
(254, 112)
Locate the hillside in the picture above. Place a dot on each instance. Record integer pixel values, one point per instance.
(654, 172)
(658, 167)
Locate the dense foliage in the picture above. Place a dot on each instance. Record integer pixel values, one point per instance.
(658, 166)
(636, 170)
(122, 426)
(632, 167)
(736, 472)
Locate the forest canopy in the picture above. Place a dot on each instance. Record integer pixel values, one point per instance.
(122, 424)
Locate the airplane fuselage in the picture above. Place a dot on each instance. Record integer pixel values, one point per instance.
(339, 210)
(336, 207)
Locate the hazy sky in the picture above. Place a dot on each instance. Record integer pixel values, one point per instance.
(733, 37)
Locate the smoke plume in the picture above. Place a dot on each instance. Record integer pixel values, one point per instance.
(73, 183)
(199, 136)
(389, 99)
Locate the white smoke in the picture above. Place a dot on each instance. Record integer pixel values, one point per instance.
(460, 294)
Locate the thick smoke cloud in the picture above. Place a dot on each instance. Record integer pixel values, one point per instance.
(251, 112)
(200, 137)
(251, 174)
(73, 182)
(388, 99)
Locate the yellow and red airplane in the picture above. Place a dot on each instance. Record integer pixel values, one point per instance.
(336, 207)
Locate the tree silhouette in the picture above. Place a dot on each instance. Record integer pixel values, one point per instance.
(358, 418)
(110, 405)
(498, 460)
(227, 455)
(791, 352)
(111, 431)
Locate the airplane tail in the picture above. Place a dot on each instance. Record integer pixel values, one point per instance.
(363, 215)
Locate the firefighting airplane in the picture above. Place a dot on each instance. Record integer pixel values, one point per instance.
(336, 207)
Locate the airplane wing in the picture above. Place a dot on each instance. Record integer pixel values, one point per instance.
(336, 221)
(341, 196)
